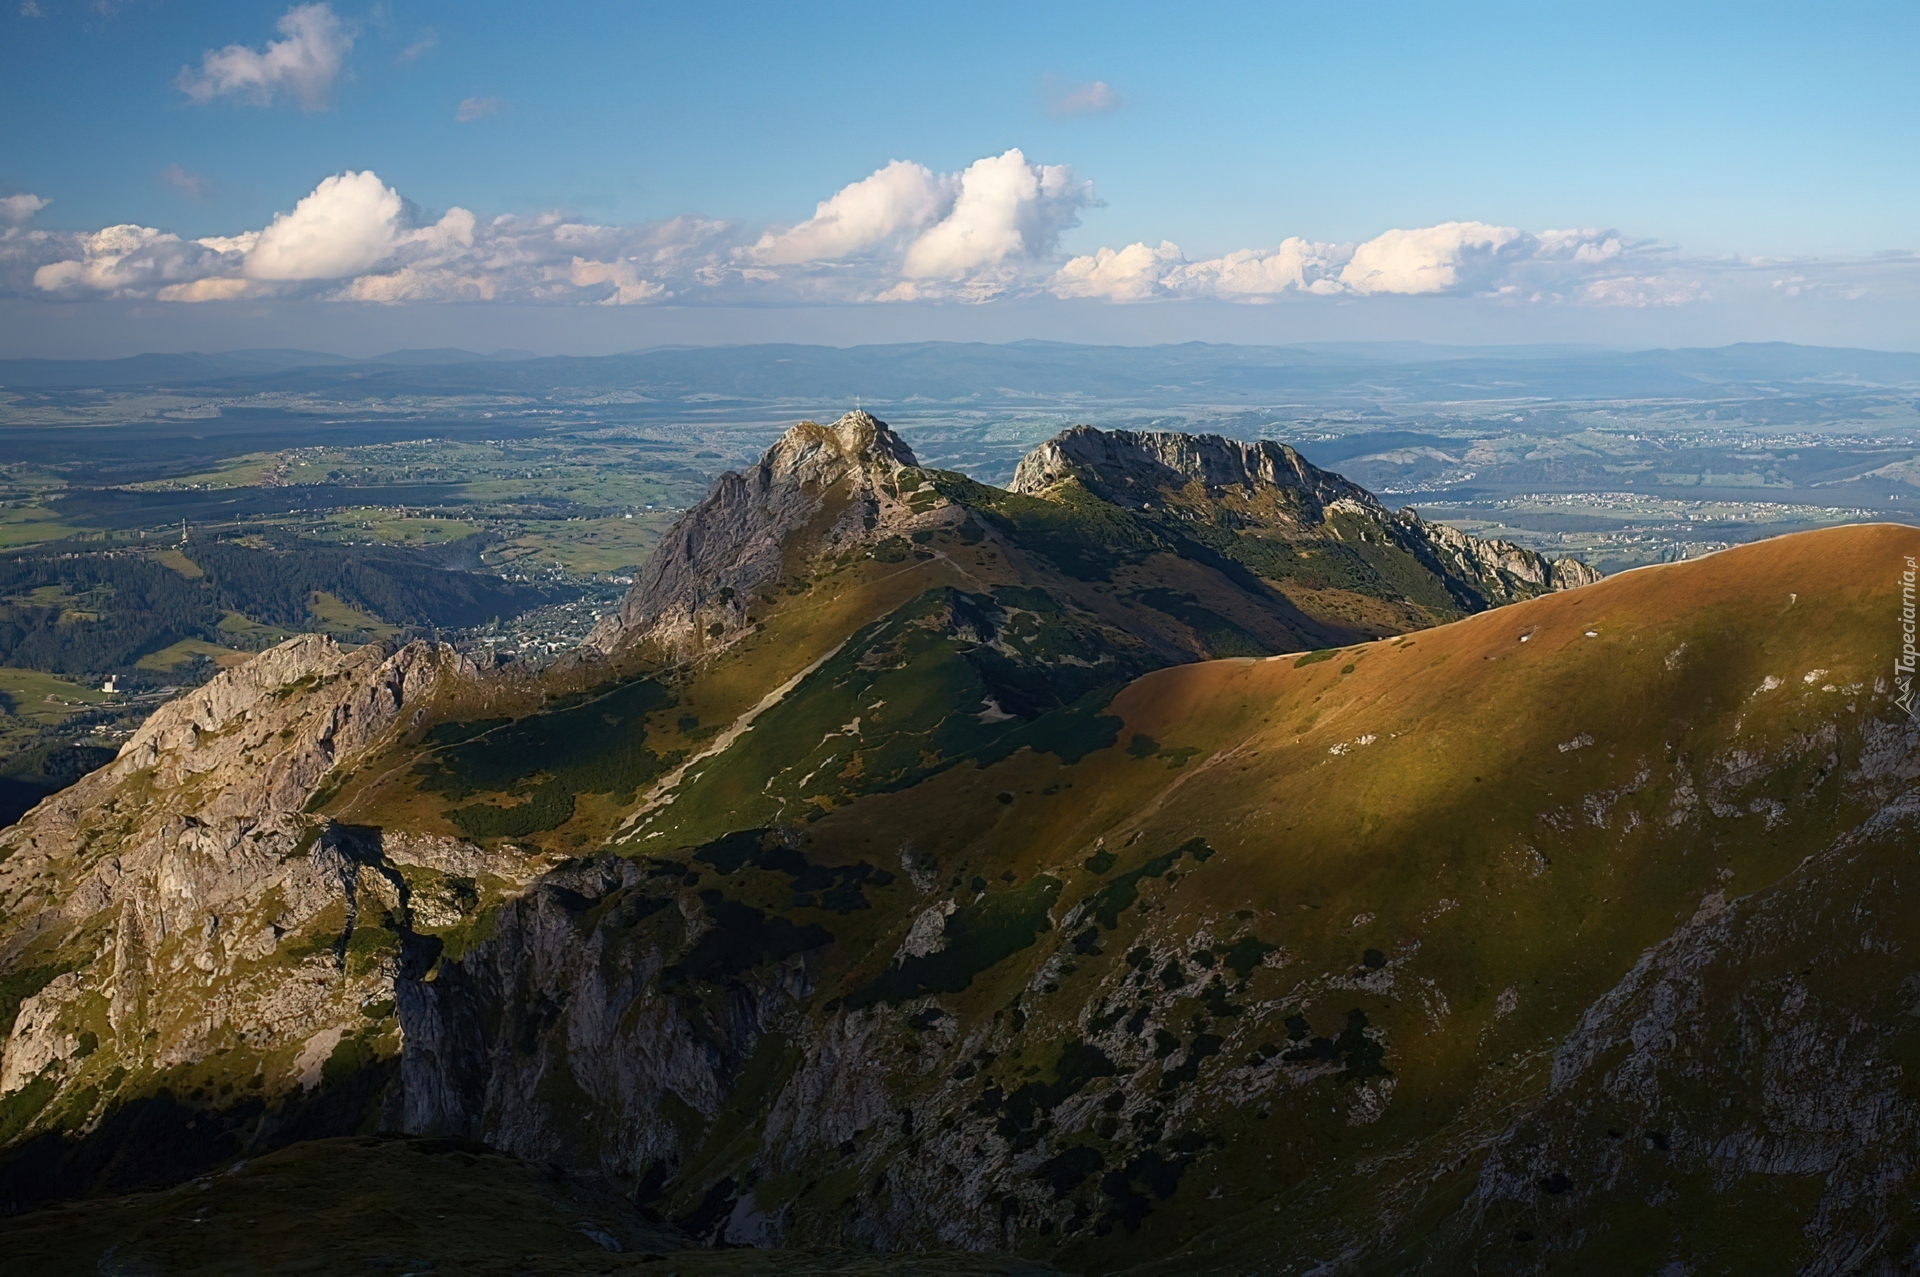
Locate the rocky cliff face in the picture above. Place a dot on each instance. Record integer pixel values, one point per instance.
(1513, 567)
(830, 482)
(1131, 467)
(1207, 475)
(590, 1030)
(180, 907)
(1744, 1050)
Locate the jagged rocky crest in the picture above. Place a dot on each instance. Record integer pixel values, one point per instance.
(1129, 467)
(830, 487)
(147, 904)
(715, 556)
(1143, 468)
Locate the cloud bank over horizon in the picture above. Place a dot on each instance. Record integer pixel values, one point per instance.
(904, 233)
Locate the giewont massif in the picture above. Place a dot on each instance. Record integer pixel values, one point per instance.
(919, 867)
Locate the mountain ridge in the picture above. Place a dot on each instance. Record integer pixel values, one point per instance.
(1006, 921)
(821, 491)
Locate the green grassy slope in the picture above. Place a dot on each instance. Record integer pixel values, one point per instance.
(1571, 928)
(1274, 967)
(1043, 606)
(1431, 857)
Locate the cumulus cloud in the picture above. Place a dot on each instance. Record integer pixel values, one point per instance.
(303, 66)
(352, 224)
(896, 201)
(1644, 290)
(1094, 98)
(471, 109)
(1005, 209)
(18, 210)
(213, 289)
(628, 287)
(349, 223)
(1254, 274)
(1588, 246)
(902, 233)
(1433, 259)
(127, 259)
(1450, 259)
(905, 232)
(1130, 274)
(1138, 273)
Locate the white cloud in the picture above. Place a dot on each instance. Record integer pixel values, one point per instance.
(1590, 246)
(471, 109)
(902, 234)
(1139, 273)
(242, 243)
(120, 259)
(1006, 209)
(628, 286)
(212, 289)
(417, 283)
(895, 201)
(1258, 274)
(1131, 274)
(349, 223)
(1094, 98)
(18, 210)
(1454, 258)
(303, 66)
(1433, 259)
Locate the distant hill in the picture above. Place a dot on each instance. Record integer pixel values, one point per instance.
(1029, 372)
(196, 369)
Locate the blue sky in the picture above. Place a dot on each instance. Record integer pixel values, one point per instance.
(1728, 165)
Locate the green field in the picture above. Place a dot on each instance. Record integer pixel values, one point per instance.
(390, 527)
(331, 616)
(43, 698)
(22, 525)
(585, 546)
(186, 650)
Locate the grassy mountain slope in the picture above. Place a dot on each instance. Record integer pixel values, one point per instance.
(1570, 926)
(1458, 844)
(999, 618)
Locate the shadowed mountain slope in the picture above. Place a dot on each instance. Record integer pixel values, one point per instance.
(942, 900)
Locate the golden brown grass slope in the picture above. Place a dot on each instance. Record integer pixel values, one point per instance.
(1468, 836)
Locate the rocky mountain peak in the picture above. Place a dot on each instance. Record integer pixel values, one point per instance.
(1147, 470)
(720, 552)
(811, 452)
(1130, 466)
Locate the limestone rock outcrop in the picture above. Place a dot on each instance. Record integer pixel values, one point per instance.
(735, 541)
(1128, 467)
(1204, 473)
(192, 862)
